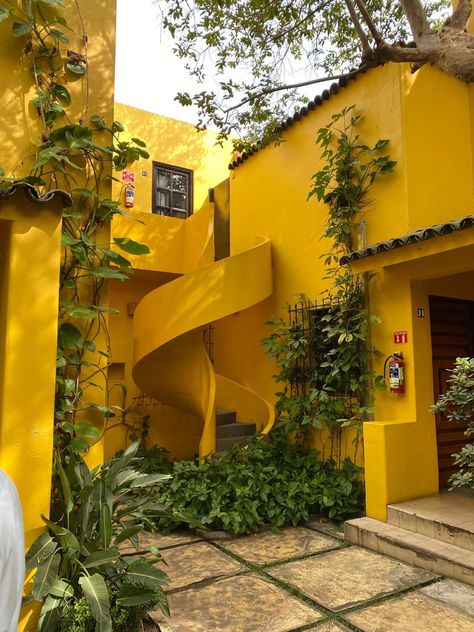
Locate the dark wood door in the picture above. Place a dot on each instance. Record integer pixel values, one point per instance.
(452, 335)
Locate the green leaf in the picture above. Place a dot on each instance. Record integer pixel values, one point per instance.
(21, 28)
(76, 68)
(105, 525)
(61, 589)
(108, 273)
(146, 575)
(66, 488)
(87, 430)
(61, 92)
(45, 575)
(139, 142)
(78, 445)
(117, 127)
(126, 534)
(82, 312)
(130, 246)
(69, 336)
(4, 13)
(58, 35)
(49, 620)
(131, 596)
(99, 558)
(42, 547)
(97, 596)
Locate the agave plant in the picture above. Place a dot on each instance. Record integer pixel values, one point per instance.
(91, 550)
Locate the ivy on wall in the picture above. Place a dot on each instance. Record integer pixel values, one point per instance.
(80, 571)
(323, 352)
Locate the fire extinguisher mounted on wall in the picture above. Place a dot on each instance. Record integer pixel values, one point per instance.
(129, 196)
(396, 372)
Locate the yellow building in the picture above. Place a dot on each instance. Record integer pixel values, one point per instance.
(229, 247)
(414, 264)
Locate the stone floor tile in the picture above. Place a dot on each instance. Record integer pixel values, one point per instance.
(195, 563)
(348, 577)
(176, 538)
(412, 613)
(452, 593)
(327, 527)
(266, 547)
(246, 603)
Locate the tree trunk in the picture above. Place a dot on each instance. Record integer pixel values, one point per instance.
(451, 50)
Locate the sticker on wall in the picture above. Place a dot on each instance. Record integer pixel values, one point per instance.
(128, 176)
(145, 173)
(420, 312)
(400, 337)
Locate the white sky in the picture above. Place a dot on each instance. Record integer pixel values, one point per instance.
(148, 75)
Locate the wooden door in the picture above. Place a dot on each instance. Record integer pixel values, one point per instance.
(452, 335)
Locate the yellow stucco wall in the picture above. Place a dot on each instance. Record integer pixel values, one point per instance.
(173, 143)
(30, 241)
(177, 247)
(433, 182)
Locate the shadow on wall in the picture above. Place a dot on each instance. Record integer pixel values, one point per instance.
(175, 143)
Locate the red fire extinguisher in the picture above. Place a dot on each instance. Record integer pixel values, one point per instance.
(396, 372)
(129, 196)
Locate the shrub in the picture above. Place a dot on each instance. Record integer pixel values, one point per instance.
(84, 576)
(458, 404)
(271, 482)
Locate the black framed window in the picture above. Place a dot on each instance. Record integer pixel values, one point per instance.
(172, 191)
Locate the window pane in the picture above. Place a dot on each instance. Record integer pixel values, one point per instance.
(179, 201)
(164, 179)
(179, 214)
(180, 182)
(162, 211)
(163, 198)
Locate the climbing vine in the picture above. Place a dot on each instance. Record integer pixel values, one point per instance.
(68, 152)
(323, 352)
(78, 561)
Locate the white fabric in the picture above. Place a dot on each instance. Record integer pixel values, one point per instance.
(12, 555)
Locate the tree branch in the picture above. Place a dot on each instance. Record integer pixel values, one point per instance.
(416, 16)
(291, 86)
(460, 15)
(370, 23)
(302, 21)
(366, 49)
(399, 53)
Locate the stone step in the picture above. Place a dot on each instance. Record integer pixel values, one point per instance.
(448, 517)
(235, 430)
(413, 548)
(225, 417)
(226, 444)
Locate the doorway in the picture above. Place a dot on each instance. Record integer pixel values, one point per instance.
(452, 335)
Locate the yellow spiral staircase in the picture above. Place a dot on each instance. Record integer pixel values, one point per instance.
(171, 362)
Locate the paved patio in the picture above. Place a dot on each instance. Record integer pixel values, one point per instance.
(303, 578)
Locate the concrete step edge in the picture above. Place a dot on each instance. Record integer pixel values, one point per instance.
(412, 548)
(442, 530)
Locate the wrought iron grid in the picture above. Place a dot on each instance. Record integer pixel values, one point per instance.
(305, 320)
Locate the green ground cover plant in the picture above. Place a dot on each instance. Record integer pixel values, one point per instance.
(271, 482)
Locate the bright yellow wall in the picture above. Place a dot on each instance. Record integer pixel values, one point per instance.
(175, 143)
(29, 308)
(269, 197)
(30, 235)
(431, 139)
